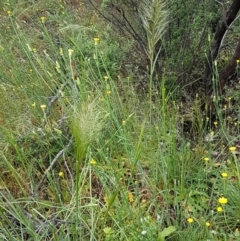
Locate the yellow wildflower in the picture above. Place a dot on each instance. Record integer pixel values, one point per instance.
(93, 162)
(130, 197)
(206, 159)
(208, 224)
(9, 12)
(96, 40)
(123, 122)
(43, 107)
(105, 77)
(219, 209)
(232, 148)
(70, 52)
(237, 61)
(108, 92)
(60, 174)
(190, 220)
(224, 174)
(222, 200)
(43, 19)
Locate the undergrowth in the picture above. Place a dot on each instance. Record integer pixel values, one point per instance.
(85, 157)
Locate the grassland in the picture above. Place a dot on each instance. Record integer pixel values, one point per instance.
(85, 155)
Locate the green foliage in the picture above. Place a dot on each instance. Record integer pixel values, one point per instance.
(186, 41)
(166, 232)
(184, 46)
(109, 52)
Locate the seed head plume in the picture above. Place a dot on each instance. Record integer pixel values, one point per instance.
(154, 15)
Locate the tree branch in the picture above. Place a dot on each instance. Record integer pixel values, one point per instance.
(217, 40)
(52, 164)
(230, 68)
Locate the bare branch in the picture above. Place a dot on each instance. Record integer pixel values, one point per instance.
(53, 163)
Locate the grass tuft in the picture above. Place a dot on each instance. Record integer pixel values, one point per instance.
(87, 121)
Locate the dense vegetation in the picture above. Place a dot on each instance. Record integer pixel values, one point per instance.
(110, 128)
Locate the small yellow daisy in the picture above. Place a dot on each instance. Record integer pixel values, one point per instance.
(224, 174)
(96, 40)
(93, 162)
(206, 159)
(232, 148)
(222, 200)
(43, 19)
(190, 220)
(219, 209)
(208, 224)
(60, 174)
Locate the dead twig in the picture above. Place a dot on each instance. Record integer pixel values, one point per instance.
(52, 164)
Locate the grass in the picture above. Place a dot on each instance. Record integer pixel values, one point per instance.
(80, 157)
